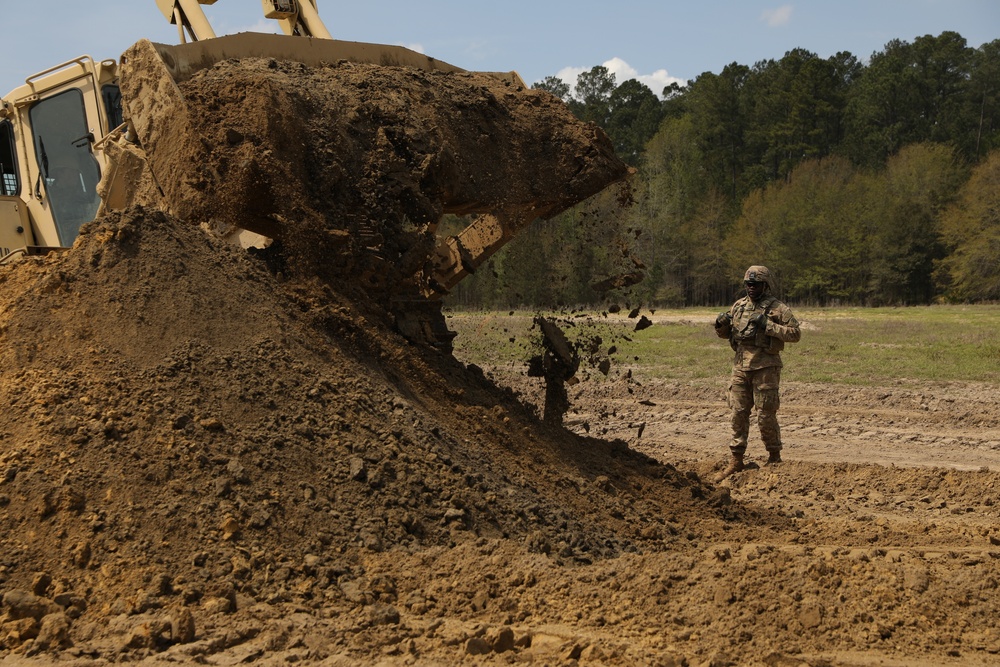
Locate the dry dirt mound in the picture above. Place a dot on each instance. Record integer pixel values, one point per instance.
(185, 432)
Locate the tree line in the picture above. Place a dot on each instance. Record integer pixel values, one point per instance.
(857, 183)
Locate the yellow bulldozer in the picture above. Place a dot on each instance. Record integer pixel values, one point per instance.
(86, 137)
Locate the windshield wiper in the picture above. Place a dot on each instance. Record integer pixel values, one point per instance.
(45, 168)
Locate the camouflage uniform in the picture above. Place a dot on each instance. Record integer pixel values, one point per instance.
(757, 362)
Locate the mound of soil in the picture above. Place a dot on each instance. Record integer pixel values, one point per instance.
(184, 431)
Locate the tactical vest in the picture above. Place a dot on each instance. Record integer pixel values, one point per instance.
(745, 333)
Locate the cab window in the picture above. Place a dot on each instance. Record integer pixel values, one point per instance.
(9, 183)
(111, 95)
(68, 169)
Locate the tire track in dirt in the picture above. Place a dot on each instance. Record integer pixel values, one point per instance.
(959, 429)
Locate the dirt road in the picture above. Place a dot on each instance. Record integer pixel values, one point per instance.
(948, 425)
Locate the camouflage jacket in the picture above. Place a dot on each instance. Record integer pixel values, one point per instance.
(759, 348)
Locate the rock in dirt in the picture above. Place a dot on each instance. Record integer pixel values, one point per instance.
(53, 632)
(21, 604)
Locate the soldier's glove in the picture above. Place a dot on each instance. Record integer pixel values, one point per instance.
(759, 321)
(722, 320)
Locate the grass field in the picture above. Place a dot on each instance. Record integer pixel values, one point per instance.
(857, 346)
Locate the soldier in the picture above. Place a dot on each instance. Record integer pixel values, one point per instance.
(757, 326)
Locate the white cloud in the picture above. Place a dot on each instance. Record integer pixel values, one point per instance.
(569, 74)
(419, 48)
(656, 81)
(777, 17)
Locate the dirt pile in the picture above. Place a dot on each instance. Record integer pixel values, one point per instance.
(185, 431)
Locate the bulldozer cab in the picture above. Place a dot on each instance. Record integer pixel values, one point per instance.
(53, 128)
(51, 161)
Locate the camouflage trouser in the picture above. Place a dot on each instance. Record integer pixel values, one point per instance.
(755, 388)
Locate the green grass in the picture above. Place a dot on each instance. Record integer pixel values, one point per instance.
(855, 346)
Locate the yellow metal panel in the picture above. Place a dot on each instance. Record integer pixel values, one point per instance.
(15, 232)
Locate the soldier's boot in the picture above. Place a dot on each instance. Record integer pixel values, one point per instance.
(735, 466)
(773, 457)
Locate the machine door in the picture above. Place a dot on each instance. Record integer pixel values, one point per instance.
(68, 172)
(13, 226)
(13, 215)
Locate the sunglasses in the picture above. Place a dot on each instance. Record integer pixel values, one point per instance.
(751, 283)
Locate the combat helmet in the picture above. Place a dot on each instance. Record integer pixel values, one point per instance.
(758, 274)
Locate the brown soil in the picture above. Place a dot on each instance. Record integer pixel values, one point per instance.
(352, 165)
(203, 461)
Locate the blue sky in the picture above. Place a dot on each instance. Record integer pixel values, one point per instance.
(657, 41)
